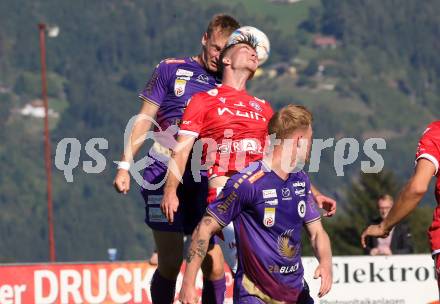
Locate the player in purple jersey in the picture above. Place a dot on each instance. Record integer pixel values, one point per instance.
(165, 97)
(269, 202)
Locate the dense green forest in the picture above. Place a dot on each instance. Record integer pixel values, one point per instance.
(378, 79)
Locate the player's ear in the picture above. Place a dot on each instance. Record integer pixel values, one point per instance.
(204, 39)
(226, 60)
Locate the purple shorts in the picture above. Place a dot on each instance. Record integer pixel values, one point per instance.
(192, 201)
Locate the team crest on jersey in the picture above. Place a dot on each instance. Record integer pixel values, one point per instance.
(179, 87)
(269, 217)
(302, 209)
(285, 249)
(255, 105)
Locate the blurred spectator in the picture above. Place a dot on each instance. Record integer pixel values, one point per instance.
(399, 241)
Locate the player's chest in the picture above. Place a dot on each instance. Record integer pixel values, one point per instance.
(237, 111)
(187, 81)
(283, 205)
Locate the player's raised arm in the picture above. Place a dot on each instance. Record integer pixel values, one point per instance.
(407, 201)
(207, 227)
(176, 168)
(323, 252)
(140, 128)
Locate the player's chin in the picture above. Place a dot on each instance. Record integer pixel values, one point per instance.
(213, 67)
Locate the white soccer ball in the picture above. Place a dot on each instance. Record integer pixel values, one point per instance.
(263, 44)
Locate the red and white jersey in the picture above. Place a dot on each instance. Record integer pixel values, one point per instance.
(232, 126)
(429, 148)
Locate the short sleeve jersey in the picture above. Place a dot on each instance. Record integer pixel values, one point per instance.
(170, 87)
(232, 126)
(429, 148)
(268, 214)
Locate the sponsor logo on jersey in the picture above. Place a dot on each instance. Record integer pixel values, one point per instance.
(202, 78)
(179, 87)
(255, 105)
(286, 269)
(284, 246)
(299, 184)
(269, 217)
(269, 193)
(273, 202)
(300, 192)
(186, 78)
(285, 192)
(302, 208)
(251, 146)
(224, 206)
(246, 114)
(182, 72)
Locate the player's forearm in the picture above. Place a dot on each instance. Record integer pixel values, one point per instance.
(407, 201)
(177, 163)
(322, 248)
(198, 248)
(135, 140)
(138, 131)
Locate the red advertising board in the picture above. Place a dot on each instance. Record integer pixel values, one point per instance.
(108, 282)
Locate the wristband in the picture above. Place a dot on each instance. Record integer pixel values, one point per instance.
(124, 165)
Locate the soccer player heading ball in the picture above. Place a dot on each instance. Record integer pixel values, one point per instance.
(165, 97)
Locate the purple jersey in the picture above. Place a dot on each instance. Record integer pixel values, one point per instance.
(172, 84)
(268, 215)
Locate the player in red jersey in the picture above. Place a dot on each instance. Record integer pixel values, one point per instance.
(427, 165)
(233, 125)
(232, 122)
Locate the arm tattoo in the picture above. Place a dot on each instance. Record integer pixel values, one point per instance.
(200, 251)
(190, 255)
(201, 248)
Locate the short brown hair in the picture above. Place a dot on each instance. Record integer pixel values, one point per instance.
(385, 197)
(224, 23)
(289, 119)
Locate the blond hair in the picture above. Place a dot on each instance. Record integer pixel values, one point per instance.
(224, 23)
(289, 119)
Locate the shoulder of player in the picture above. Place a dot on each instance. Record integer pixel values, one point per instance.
(301, 176)
(171, 64)
(260, 100)
(250, 177)
(204, 96)
(431, 133)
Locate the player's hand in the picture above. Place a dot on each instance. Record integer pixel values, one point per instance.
(326, 203)
(169, 205)
(122, 181)
(325, 272)
(188, 295)
(374, 231)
